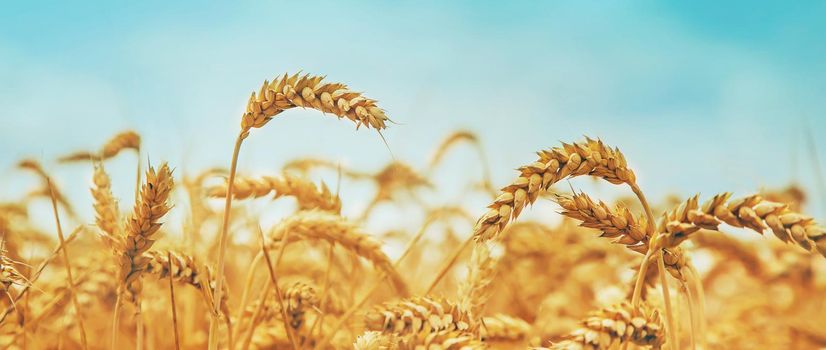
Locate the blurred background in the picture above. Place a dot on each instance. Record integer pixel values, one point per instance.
(702, 97)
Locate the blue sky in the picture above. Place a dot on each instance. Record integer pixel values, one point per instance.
(701, 96)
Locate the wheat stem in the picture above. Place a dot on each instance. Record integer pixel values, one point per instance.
(115, 322)
(443, 271)
(324, 292)
(669, 314)
(68, 265)
(274, 281)
(172, 301)
(223, 244)
(349, 313)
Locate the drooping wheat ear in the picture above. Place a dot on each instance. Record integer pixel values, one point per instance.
(142, 227)
(751, 212)
(119, 142)
(45, 190)
(504, 328)
(619, 224)
(107, 216)
(474, 292)
(314, 224)
(614, 326)
(454, 139)
(273, 98)
(308, 195)
(591, 157)
(309, 92)
(299, 297)
(417, 315)
(373, 340)
(185, 269)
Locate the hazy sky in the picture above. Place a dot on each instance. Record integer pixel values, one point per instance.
(701, 96)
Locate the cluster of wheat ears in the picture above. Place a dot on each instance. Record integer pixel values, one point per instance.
(605, 276)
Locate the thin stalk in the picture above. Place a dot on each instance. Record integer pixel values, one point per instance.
(219, 290)
(68, 265)
(278, 294)
(247, 286)
(669, 314)
(115, 323)
(694, 278)
(139, 325)
(39, 271)
(172, 300)
(245, 343)
(638, 286)
(691, 314)
(448, 265)
(324, 292)
(138, 176)
(356, 306)
(648, 214)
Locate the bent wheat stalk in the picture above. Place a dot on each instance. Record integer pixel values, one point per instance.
(68, 266)
(274, 97)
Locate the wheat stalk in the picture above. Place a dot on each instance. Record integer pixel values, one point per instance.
(308, 195)
(47, 189)
(67, 264)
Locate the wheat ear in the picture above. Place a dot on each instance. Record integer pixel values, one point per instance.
(336, 229)
(273, 98)
(308, 195)
(751, 212)
(434, 216)
(474, 292)
(417, 314)
(141, 230)
(591, 157)
(504, 328)
(107, 216)
(616, 325)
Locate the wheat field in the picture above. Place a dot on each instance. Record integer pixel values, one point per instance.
(643, 271)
